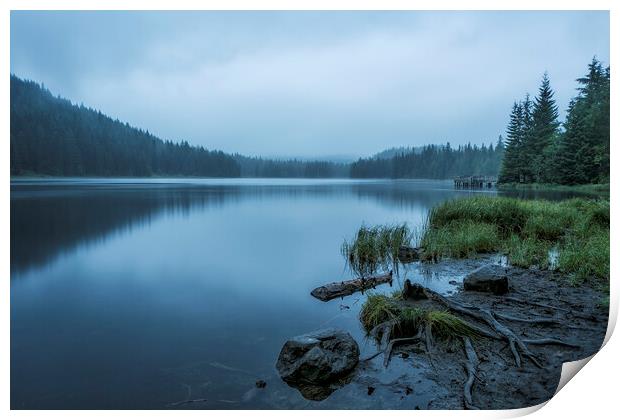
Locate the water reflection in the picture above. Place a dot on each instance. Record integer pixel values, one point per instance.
(143, 293)
(51, 218)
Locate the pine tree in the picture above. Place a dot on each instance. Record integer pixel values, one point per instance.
(583, 151)
(511, 169)
(540, 138)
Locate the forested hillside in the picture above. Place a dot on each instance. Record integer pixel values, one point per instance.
(51, 136)
(434, 162)
(256, 167)
(539, 149)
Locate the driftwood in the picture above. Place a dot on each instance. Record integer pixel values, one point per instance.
(346, 288)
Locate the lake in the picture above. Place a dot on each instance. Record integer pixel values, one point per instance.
(141, 293)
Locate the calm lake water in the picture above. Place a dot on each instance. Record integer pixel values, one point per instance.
(139, 293)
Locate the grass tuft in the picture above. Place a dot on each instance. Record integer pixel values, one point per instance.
(377, 309)
(375, 248)
(380, 308)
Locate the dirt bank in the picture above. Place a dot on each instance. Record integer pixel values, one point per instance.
(498, 383)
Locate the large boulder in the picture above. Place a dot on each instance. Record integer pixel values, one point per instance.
(490, 278)
(318, 358)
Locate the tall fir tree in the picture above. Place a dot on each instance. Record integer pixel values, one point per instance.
(511, 168)
(540, 138)
(583, 152)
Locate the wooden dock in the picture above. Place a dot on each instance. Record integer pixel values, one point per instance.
(475, 182)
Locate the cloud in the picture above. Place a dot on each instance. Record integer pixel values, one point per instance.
(310, 84)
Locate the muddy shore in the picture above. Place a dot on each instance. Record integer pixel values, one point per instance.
(413, 380)
(499, 383)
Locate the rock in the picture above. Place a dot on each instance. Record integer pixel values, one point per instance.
(318, 358)
(371, 389)
(261, 384)
(490, 278)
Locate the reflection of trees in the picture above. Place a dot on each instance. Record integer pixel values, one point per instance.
(50, 219)
(47, 223)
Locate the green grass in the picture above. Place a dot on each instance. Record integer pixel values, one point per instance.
(380, 308)
(375, 248)
(461, 239)
(602, 189)
(586, 257)
(526, 252)
(525, 231)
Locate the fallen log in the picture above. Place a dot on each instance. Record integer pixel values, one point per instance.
(346, 288)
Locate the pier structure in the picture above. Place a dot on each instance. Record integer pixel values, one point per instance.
(475, 182)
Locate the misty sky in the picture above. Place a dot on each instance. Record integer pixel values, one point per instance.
(308, 84)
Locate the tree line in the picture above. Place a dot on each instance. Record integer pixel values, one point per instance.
(539, 149)
(51, 136)
(434, 162)
(257, 167)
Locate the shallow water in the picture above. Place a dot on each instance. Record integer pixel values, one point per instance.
(139, 293)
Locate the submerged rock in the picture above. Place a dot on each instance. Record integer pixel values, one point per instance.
(489, 278)
(318, 358)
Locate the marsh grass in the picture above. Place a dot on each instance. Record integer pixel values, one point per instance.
(599, 189)
(376, 248)
(377, 309)
(380, 308)
(461, 239)
(525, 231)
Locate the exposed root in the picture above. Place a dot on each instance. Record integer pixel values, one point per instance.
(174, 404)
(544, 341)
(572, 312)
(517, 346)
(540, 320)
(382, 328)
(390, 346)
(496, 330)
(428, 335)
(471, 366)
(381, 332)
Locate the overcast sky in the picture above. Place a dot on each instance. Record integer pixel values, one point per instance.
(308, 83)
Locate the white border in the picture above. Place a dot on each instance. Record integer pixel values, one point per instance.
(593, 394)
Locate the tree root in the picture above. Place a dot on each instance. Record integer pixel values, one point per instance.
(174, 404)
(544, 341)
(539, 320)
(383, 330)
(517, 346)
(471, 366)
(388, 350)
(572, 312)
